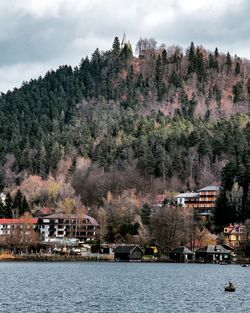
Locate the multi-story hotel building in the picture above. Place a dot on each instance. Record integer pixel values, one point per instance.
(21, 226)
(203, 201)
(67, 226)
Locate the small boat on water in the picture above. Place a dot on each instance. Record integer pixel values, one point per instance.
(244, 265)
(230, 287)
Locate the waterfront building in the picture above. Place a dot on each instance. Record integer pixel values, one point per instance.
(128, 253)
(213, 253)
(207, 199)
(62, 226)
(21, 226)
(181, 254)
(202, 201)
(18, 233)
(188, 199)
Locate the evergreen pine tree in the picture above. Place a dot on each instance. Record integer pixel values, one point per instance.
(212, 62)
(158, 78)
(116, 45)
(248, 86)
(8, 206)
(238, 92)
(191, 58)
(229, 63)
(126, 52)
(2, 210)
(216, 53)
(24, 207)
(237, 68)
(199, 65)
(17, 202)
(164, 57)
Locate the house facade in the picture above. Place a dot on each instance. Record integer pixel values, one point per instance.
(207, 199)
(235, 234)
(181, 254)
(128, 253)
(23, 226)
(202, 201)
(62, 226)
(188, 199)
(213, 253)
(18, 233)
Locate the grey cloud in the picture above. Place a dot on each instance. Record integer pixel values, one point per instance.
(65, 31)
(227, 31)
(35, 40)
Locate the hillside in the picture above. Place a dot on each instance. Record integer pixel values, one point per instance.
(168, 119)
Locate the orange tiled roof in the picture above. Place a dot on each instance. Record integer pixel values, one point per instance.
(6, 221)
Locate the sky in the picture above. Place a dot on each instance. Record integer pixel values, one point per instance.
(39, 35)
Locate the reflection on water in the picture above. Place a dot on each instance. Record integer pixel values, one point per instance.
(122, 287)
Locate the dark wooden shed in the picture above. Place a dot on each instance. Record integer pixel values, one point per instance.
(128, 253)
(181, 254)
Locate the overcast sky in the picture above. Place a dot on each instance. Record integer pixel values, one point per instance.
(38, 35)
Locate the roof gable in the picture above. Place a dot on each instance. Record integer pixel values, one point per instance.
(126, 249)
(210, 188)
(182, 250)
(91, 220)
(188, 195)
(213, 249)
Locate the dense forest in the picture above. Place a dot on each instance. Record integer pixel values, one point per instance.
(164, 120)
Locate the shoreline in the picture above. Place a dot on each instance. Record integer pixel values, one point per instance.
(101, 258)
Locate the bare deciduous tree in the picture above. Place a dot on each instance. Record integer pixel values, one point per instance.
(9, 174)
(168, 227)
(102, 221)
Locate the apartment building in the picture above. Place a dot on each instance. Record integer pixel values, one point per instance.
(203, 201)
(68, 226)
(11, 226)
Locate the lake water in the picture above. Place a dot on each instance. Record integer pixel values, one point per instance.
(122, 287)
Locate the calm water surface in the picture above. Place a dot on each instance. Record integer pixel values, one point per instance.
(122, 287)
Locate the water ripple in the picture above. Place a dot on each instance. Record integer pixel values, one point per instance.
(122, 287)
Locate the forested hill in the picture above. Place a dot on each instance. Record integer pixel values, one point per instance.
(169, 117)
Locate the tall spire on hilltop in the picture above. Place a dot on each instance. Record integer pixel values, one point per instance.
(124, 41)
(126, 45)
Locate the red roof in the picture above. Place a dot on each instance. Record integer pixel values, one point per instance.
(6, 221)
(234, 229)
(46, 211)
